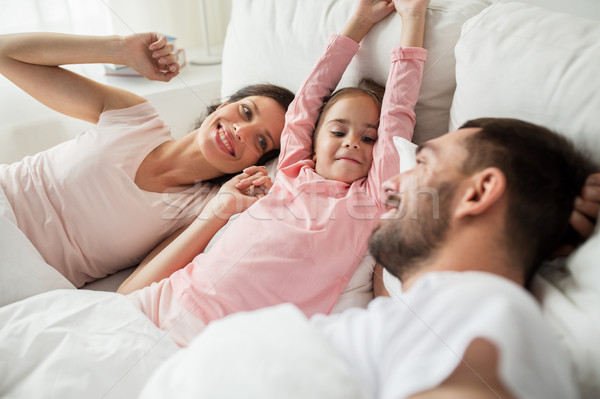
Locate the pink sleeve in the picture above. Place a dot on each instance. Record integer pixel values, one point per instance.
(301, 117)
(397, 114)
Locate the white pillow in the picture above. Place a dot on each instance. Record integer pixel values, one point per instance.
(520, 61)
(23, 272)
(270, 353)
(278, 42)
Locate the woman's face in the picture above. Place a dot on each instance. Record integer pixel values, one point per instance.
(237, 134)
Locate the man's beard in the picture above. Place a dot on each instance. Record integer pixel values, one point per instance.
(402, 245)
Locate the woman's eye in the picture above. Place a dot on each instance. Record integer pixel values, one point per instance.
(247, 112)
(262, 142)
(337, 134)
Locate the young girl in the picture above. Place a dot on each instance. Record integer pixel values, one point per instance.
(302, 242)
(100, 202)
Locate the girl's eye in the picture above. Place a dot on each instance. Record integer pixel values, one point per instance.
(337, 134)
(262, 142)
(367, 139)
(247, 112)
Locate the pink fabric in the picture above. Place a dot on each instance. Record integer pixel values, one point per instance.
(302, 242)
(160, 305)
(78, 203)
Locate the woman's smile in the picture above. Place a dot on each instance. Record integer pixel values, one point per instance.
(225, 140)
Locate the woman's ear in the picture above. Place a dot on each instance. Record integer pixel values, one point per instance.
(484, 189)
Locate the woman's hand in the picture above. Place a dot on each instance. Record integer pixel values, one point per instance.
(151, 55)
(239, 193)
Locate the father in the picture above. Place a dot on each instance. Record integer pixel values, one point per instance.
(464, 324)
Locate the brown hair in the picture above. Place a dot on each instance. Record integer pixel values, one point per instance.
(544, 173)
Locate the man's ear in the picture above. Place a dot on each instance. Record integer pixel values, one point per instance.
(483, 190)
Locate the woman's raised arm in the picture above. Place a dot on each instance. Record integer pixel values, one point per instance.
(33, 62)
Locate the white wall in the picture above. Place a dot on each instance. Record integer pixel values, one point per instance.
(27, 127)
(179, 18)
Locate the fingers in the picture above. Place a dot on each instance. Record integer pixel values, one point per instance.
(166, 58)
(256, 179)
(590, 196)
(587, 205)
(257, 184)
(161, 41)
(167, 76)
(585, 214)
(250, 170)
(582, 225)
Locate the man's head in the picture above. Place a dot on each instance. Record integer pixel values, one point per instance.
(520, 176)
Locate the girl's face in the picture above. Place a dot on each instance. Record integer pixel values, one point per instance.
(237, 134)
(345, 138)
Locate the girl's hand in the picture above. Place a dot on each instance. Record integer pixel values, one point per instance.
(411, 7)
(239, 193)
(151, 55)
(373, 11)
(366, 14)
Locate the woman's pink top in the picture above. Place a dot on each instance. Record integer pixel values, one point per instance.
(79, 205)
(302, 242)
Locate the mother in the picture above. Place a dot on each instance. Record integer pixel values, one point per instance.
(100, 202)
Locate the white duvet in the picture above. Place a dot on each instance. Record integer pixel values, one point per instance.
(85, 344)
(78, 344)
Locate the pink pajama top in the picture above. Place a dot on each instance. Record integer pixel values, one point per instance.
(78, 202)
(302, 242)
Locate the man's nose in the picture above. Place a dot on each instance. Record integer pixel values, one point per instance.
(392, 184)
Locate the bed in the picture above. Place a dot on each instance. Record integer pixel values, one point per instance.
(486, 58)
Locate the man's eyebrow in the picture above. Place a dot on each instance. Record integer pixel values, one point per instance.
(425, 146)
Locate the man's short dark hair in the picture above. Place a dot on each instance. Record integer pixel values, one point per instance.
(544, 173)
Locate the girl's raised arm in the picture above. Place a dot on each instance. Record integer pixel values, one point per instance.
(33, 62)
(401, 94)
(366, 14)
(296, 140)
(413, 21)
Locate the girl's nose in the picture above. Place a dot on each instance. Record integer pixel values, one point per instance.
(351, 143)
